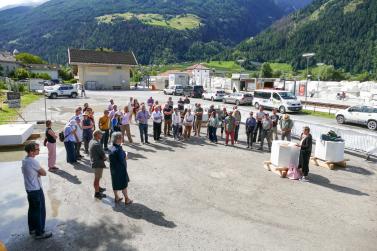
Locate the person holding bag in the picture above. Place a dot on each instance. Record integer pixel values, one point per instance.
(50, 143)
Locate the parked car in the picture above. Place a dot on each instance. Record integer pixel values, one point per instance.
(282, 100)
(187, 90)
(174, 90)
(197, 91)
(61, 90)
(217, 95)
(238, 98)
(363, 115)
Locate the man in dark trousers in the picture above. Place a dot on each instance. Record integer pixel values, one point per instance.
(251, 122)
(32, 172)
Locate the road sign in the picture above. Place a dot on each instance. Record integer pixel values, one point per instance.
(14, 99)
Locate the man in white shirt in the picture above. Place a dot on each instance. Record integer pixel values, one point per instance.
(258, 129)
(177, 123)
(157, 121)
(32, 172)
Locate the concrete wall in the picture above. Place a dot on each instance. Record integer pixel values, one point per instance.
(52, 73)
(105, 77)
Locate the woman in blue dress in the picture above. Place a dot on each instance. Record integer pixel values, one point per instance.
(118, 168)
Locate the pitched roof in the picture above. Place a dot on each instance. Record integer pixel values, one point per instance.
(77, 56)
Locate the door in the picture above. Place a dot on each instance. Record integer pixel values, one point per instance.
(354, 114)
(266, 102)
(276, 100)
(366, 114)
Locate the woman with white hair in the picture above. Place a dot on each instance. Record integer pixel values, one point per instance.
(118, 168)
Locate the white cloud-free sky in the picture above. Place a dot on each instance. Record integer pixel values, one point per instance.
(4, 3)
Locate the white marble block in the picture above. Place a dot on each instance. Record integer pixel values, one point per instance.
(15, 134)
(329, 150)
(284, 153)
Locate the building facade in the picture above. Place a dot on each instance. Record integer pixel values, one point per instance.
(102, 70)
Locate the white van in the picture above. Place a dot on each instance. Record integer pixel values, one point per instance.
(284, 101)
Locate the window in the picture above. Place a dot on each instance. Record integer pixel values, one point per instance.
(369, 109)
(276, 96)
(355, 109)
(287, 95)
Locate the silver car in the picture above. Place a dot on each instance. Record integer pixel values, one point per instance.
(238, 98)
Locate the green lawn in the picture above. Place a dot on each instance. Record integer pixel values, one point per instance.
(230, 66)
(7, 114)
(179, 22)
(318, 114)
(287, 68)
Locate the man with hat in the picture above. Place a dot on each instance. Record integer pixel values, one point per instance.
(286, 125)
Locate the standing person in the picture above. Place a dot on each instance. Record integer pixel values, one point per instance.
(51, 146)
(237, 116)
(167, 119)
(78, 112)
(177, 123)
(83, 90)
(258, 129)
(135, 108)
(266, 132)
(69, 141)
(187, 100)
(230, 126)
(32, 172)
(181, 105)
(130, 107)
(286, 125)
(210, 110)
(125, 125)
(150, 103)
(118, 168)
(110, 106)
(104, 126)
(113, 112)
(170, 102)
(155, 105)
(198, 120)
(213, 123)
(86, 106)
(97, 161)
(157, 121)
(223, 116)
(79, 137)
(87, 128)
(251, 122)
(188, 122)
(115, 123)
(275, 119)
(306, 142)
(91, 117)
(142, 118)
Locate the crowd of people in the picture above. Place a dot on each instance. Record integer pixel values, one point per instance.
(104, 143)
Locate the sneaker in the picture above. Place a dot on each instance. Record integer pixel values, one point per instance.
(32, 232)
(99, 196)
(45, 235)
(102, 189)
(304, 179)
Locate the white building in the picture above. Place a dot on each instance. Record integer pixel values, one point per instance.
(8, 63)
(102, 70)
(51, 70)
(179, 78)
(200, 75)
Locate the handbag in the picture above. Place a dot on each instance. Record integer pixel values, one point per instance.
(293, 173)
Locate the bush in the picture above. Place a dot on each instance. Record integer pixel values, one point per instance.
(21, 88)
(3, 85)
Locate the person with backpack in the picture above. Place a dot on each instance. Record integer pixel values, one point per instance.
(50, 143)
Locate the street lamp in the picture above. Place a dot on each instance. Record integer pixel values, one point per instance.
(307, 56)
(319, 65)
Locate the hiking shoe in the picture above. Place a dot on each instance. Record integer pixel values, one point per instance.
(304, 179)
(99, 196)
(45, 235)
(102, 189)
(32, 232)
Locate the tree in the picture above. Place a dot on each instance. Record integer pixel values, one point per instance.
(65, 73)
(266, 71)
(21, 73)
(28, 58)
(1, 71)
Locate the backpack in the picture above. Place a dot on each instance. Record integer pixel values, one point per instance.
(61, 136)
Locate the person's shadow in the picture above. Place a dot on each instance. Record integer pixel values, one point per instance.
(140, 211)
(69, 177)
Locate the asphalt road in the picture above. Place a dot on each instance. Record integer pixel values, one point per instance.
(190, 196)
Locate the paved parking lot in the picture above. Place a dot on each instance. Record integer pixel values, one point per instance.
(191, 196)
